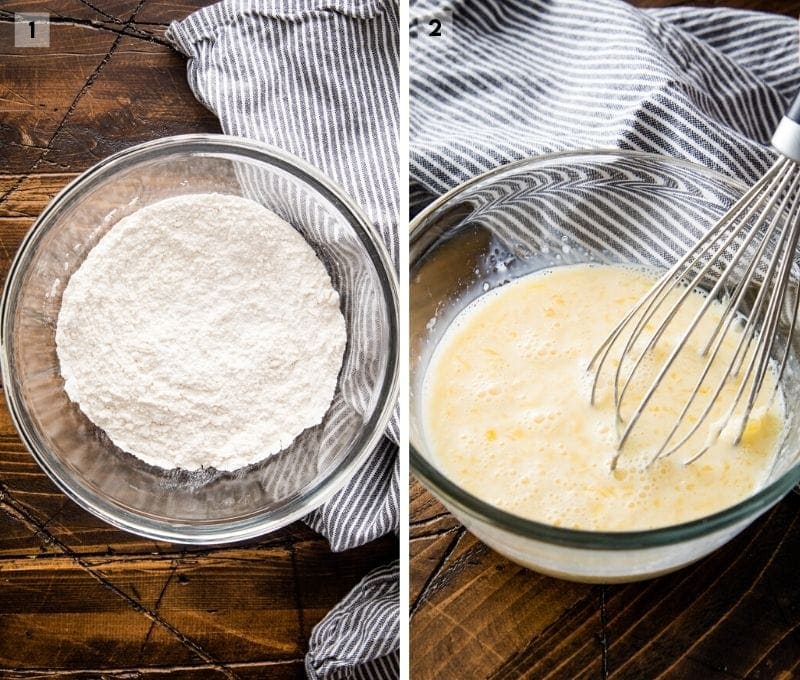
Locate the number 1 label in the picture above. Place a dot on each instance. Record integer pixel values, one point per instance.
(31, 29)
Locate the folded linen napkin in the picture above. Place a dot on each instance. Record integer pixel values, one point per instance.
(517, 78)
(319, 79)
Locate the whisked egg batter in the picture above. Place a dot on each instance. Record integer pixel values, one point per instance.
(507, 410)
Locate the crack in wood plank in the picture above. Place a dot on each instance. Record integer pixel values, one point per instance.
(413, 524)
(433, 534)
(20, 144)
(114, 19)
(521, 657)
(128, 30)
(71, 109)
(198, 553)
(126, 671)
(459, 533)
(64, 502)
(432, 518)
(742, 553)
(302, 639)
(603, 632)
(156, 606)
(452, 571)
(5, 493)
(15, 510)
(690, 572)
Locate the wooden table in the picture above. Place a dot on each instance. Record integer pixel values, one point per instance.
(736, 614)
(78, 598)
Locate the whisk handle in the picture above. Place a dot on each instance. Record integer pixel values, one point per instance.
(793, 111)
(787, 135)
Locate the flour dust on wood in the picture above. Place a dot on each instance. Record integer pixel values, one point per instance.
(201, 331)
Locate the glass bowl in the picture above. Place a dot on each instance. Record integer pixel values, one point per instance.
(569, 208)
(205, 506)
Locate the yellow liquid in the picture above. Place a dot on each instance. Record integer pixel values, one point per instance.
(508, 414)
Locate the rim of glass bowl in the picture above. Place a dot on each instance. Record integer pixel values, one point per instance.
(299, 504)
(484, 512)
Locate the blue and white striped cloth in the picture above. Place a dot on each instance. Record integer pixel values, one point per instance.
(319, 78)
(510, 79)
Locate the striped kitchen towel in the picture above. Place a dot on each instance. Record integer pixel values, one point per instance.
(357, 633)
(509, 79)
(319, 79)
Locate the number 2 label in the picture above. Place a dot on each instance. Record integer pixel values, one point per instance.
(437, 25)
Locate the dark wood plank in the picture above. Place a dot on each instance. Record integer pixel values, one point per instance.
(164, 11)
(61, 119)
(237, 605)
(118, 11)
(732, 615)
(478, 610)
(155, 102)
(274, 670)
(27, 197)
(38, 92)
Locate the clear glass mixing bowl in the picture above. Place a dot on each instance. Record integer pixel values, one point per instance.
(568, 208)
(203, 506)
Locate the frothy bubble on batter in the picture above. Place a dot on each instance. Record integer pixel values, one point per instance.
(507, 413)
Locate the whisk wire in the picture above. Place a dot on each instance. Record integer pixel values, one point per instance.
(758, 362)
(670, 277)
(790, 332)
(755, 241)
(773, 318)
(743, 347)
(603, 350)
(689, 289)
(737, 297)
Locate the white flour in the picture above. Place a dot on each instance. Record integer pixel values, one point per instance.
(201, 331)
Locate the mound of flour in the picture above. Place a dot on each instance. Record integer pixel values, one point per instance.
(201, 331)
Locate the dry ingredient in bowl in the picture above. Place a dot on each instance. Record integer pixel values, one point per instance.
(508, 415)
(201, 331)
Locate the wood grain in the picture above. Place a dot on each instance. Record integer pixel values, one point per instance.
(236, 605)
(79, 598)
(104, 92)
(735, 614)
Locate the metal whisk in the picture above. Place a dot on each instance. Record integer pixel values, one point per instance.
(744, 263)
